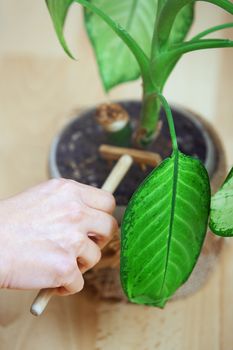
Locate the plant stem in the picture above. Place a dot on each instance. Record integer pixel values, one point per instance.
(170, 121)
(149, 119)
(158, 98)
(212, 30)
(199, 45)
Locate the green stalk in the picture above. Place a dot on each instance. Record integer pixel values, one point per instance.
(203, 44)
(155, 99)
(212, 30)
(170, 121)
(161, 64)
(149, 118)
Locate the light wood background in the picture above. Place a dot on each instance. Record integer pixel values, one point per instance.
(39, 89)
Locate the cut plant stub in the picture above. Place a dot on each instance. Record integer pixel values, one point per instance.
(112, 117)
(221, 214)
(115, 120)
(163, 230)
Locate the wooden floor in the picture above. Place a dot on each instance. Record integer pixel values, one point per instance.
(36, 97)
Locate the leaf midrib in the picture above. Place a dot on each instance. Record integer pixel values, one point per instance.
(132, 11)
(129, 21)
(173, 204)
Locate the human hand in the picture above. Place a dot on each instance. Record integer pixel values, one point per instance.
(52, 233)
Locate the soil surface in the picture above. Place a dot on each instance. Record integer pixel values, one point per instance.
(78, 158)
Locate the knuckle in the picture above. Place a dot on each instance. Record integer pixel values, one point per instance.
(63, 184)
(57, 183)
(79, 282)
(67, 185)
(76, 242)
(80, 242)
(72, 182)
(112, 229)
(64, 269)
(95, 258)
(110, 201)
(74, 206)
(76, 210)
(113, 225)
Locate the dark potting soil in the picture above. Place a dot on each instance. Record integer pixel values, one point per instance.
(78, 157)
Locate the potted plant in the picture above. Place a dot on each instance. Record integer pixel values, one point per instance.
(166, 221)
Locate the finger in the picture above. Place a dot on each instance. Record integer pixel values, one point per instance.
(89, 257)
(73, 285)
(97, 199)
(102, 224)
(101, 242)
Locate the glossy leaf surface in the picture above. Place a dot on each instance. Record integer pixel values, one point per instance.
(136, 18)
(163, 230)
(116, 63)
(221, 214)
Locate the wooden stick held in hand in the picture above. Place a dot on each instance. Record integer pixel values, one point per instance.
(110, 185)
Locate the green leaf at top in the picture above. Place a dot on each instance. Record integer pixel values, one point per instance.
(116, 62)
(182, 24)
(171, 28)
(221, 214)
(58, 10)
(163, 230)
(173, 22)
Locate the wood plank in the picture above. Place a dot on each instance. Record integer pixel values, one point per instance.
(140, 157)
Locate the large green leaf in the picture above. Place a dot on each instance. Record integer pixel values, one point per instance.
(58, 10)
(121, 33)
(163, 230)
(116, 62)
(221, 214)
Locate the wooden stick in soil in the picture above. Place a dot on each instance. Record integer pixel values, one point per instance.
(110, 185)
(139, 156)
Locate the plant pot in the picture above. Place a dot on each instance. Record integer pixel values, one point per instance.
(74, 154)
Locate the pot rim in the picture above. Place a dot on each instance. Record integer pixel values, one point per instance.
(203, 125)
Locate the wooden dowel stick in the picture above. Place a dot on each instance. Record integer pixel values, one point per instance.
(110, 185)
(41, 301)
(139, 156)
(118, 173)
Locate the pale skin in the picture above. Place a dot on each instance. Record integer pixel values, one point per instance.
(53, 233)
